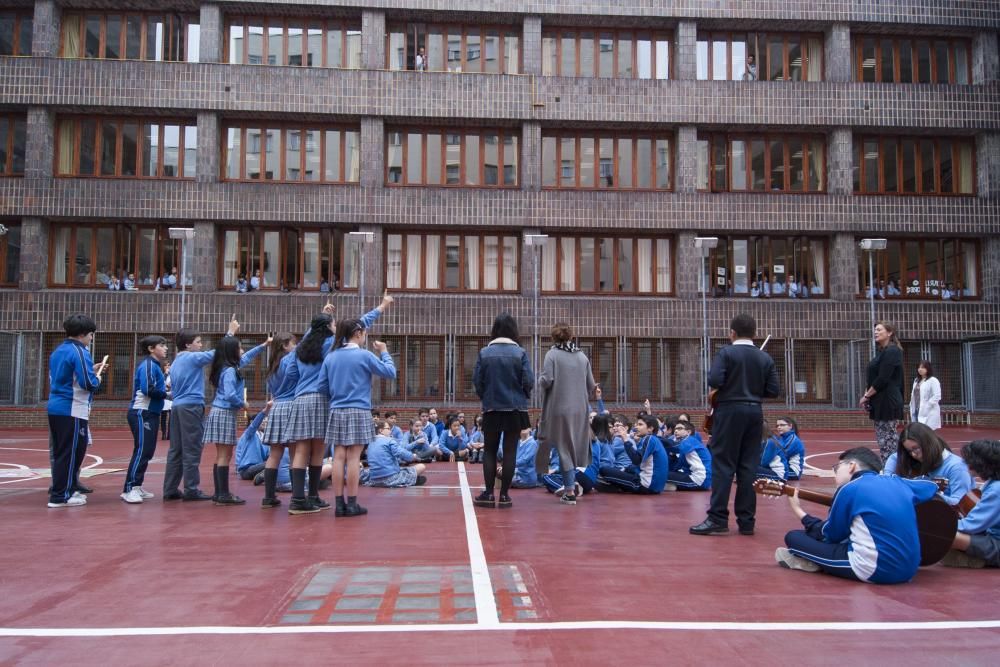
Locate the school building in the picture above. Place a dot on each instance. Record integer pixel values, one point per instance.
(642, 170)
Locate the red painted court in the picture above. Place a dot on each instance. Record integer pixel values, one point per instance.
(425, 578)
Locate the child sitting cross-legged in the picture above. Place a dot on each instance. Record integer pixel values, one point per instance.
(453, 443)
(384, 457)
(977, 543)
(525, 475)
(690, 461)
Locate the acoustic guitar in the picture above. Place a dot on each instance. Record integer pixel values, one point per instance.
(937, 521)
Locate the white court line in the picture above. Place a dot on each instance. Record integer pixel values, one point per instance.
(482, 587)
(676, 626)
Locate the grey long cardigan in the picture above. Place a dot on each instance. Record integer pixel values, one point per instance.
(566, 384)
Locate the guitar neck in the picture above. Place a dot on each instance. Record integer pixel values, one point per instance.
(811, 496)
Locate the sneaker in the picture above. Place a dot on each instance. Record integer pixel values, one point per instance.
(956, 558)
(669, 487)
(787, 559)
(268, 503)
(421, 480)
(80, 488)
(146, 495)
(355, 509)
(258, 479)
(74, 501)
(319, 502)
(484, 499)
(172, 495)
(228, 499)
(301, 506)
(567, 499)
(133, 497)
(79, 494)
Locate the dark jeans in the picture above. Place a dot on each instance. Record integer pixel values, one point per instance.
(832, 558)
(735, 448)
(497, 426)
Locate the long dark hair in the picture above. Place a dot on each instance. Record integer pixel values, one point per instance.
(601, 426)
(227, 355)
(932, 451)
(310, 350)
(277, 351)
(505, 326)
(346, 330)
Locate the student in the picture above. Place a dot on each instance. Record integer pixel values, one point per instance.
(430, 429)
(150, 390)
(220, 426)
(324, 286)
(256, 281)
(347, 375)
(870, 533)
(114, 284)
(650, 466)
(384, 457)
(73, 379)
(525, 474)
(251, 452)
(787, 437)
(167, 406)
(773, 459)
(130, 283)
(187, 384)
(416, 442)
(922, 454)
(453, 444)
(432, 420)
(690, 461)
(977, 543)
(395, 432)
(619, 434)
(477, 441)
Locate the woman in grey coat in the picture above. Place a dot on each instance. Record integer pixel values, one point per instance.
(566, 384)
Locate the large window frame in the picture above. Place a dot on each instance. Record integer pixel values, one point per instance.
(403, 41)
(607, 160)
(778, 56)
(10, 255)
(929, 264)
(342, 142)
(16, 32)
(82, 144)
(465, 149)
(758, 257)
(127, 36)
(635, 53)
(339, 42)
(415, 378)
(565, 271)
(305, 257)
(911, 59)
(446, 261)
(719, 155)
(897, 165)
(13, 144)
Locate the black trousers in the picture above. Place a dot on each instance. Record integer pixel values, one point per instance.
(502, 427)
(735, 447)
(144, 426)
(67, 447)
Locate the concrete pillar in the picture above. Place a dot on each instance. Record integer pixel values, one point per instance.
(374, 267)
(843, 268)
(209, 140)
(531, 45)
(45, 29)
(837, 53)
(686, 176)
(685, 51)
(839, 167)
(205, 272)
(985, 58)
(531, 155)
(372, 39)
(988, 165)
(989, 281)
(39, 149)
(372, 152)
(688, 266)
(34, 254)
(212, 34)
(688, 373)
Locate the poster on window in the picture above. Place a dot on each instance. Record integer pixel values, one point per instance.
(721, 282)
(741, 268)
(721, 271)
(779, 268)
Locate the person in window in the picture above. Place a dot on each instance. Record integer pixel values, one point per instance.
(114, 284)
(171, 279)
(778, 288)
(754, 290)
(883, 288)
(162, 282)
(815, 289)
(793, 287)
(130, 283)
(421, 62)
(256, 282)
(241, 284)
(324, 287)
(102, 276)
(892, 289)
(751, 73)
(764, 282)
(949, 293)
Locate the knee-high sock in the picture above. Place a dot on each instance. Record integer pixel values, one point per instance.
(270, 482)
(298, 483)
(314, 474)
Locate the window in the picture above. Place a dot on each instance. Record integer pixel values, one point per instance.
(612, 161)
(287, 258)
(608, 53)
(652, 369)
(293, 42)
(451, 157)
(914, 165)
(603, 355)
(761, 163)
(945, 269)
(453, 48)
(811, 361)
(894, 59)
(147, 36)
(759, 56)
(15, 33)
(767, 267)
(604, 265)
(89, 255)
(10, 256)
(292, 153)
(452, 262)
(419, 365)
(13, 138)
(108, 147)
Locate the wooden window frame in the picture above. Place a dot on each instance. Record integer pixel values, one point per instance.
(126, 263)
(19, 17)
(252, 262)
(99, 140)
(882, 269)
(481, 133)
(857, 54)
(767, 138)
(3, 254)
(400, 345)
(409, 32)
(578, 136)
(8, 167)
(463, 288)
(764, 37)
(557, 243)
(176, 24)
(655, 35)
(283, 130)
(793, 244)
(956, 143)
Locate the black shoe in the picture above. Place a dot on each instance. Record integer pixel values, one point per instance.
(268, 503)
(484, 499)
(258, 479)
(196, 495)
(505, 502)
(228, 499)
(319, 502)
(709, 527)
(80, 488)
(354, 509)
(421, 480)
(301, 506)
(172, 495)
(746, 530)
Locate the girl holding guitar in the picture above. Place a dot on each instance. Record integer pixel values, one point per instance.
(977, 543)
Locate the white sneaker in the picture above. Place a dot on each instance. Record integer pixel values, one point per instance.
(74, 501)
(786, 558)
(144, 493)
(133, 496)
(77, 494)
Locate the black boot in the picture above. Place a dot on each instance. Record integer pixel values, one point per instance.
(341, 506)
(299, 504)
(353, 508)
(270, 482)
(314, 475)
(224, 497)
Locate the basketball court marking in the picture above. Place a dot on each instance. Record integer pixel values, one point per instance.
(39, 473)
(482, 587)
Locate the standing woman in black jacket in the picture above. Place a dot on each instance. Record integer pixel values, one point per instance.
(884, 397)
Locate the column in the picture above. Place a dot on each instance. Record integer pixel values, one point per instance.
(686, 178)
(212, 34)
(374, 267)
(685, 51)
(843, 268)
(372, 39)
(988, 165)
(837, 53)
(372, 152)
(34, 254)
(985, 58)
(209, 140)
(839, 177)
(39, 146)
(205, 257)
(531, 155)
(531, 45)
(989, 281)
(688, 267)
(45, 29)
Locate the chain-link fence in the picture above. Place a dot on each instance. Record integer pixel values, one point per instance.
(981, 379)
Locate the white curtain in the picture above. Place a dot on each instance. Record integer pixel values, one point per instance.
(491, 264)
(510, 263)
(663, 276)
(818, 253)
(549, 265)
(645, 266)
(814, 54)
(432, 255)
(394, 267)
(472, 262)
(60, 251)
(817, 171)
(567, 267)
(970, 281)
(71, 36)
(413, 259)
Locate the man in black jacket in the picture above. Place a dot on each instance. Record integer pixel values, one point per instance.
(742, 376)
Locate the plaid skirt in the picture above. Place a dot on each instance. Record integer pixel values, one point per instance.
(350, 426)
(405, 477)
(220, 427)
(306, 418)
(278, 421)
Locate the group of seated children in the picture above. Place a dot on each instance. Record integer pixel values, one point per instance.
(782, 453)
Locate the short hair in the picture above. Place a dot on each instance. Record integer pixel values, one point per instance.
(504, 326)
(649, 420)
(390, 413)
(423, 410)
(452, 419)
(864, 457)
(927, 365)
(744, 325)
(184, 338)
(376, 413)
(983, 456)
(686, 424)
(381, 424)
(669, 421)
(561, 332)
(79, 325)
(150, 341)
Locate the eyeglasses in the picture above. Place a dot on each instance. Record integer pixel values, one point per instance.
(840, 463)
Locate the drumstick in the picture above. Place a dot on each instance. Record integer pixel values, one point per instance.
(764, 344)
(104, 364)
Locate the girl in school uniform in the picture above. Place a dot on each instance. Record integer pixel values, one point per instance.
(923, 454)
(150, 389)
(220, 426)
(281, 387)
(347, 376)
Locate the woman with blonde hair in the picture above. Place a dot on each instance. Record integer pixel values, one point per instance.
(883, 399)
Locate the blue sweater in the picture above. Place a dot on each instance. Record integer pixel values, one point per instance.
(230, 390)
(622, 460)
(875, 515)
(430, 430)
(691, 458)
(72, 381)
(651, 459)
(149, 386)
(281, 385)
(453, 443)
(187, 380)
(308, 377)
(952, 468)
(524, 471)
(985, 516)
(384, 455)
(251, 451)
(346, 376)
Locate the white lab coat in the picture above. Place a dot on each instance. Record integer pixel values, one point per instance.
(926, 395)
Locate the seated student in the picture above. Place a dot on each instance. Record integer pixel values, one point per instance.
(397, 433)
(870, 533)
(384, 457)
(454, 446)
(690, 461)
(773, 459)
(977, 543)
(430, 428)
(114, 284)
(525, 476)
(619, 434)
(922, 454)
(324, 287)
(241, 284)
(793, 287)
(251, 454)
(477, 443)
(650, 466)
(787, 438)
(685, 417)
(586, 478)
(416, 442)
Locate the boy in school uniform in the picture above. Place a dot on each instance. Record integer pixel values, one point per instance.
(977, 543)
(650, 465)
(430, 429)
(453, 444)
(870, 533)
(690, 461)
(396, 432)
(150, 390)
(384, 457)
